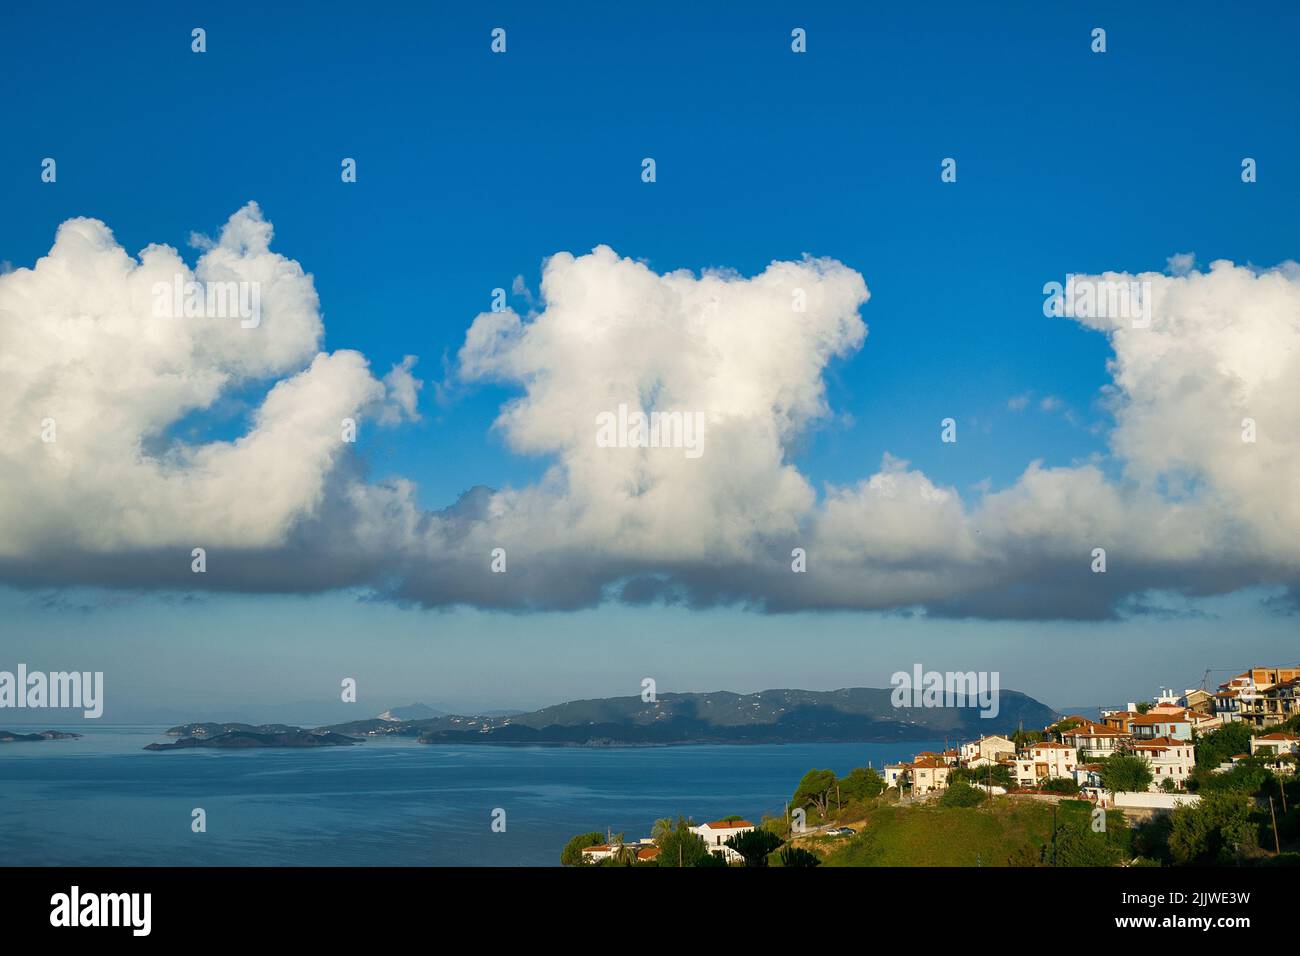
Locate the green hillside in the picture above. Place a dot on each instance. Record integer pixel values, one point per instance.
(1007, 832)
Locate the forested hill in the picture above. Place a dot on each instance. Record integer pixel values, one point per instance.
(771, 716)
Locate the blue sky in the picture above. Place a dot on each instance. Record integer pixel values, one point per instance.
(474, 168)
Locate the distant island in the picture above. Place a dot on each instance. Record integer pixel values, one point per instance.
(11, 737)
(850, 715)
(246, 737)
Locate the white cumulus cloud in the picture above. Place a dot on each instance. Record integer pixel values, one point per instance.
(1181, 502)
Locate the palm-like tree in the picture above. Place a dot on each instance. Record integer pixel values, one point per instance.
(625, 855)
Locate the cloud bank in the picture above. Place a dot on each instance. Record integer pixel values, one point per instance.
(117, 499)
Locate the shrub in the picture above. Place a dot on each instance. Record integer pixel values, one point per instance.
(797, 856)
(1060, 785)
(961, 795)
(571, 855)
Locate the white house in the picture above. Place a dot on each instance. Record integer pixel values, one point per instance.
(602, 851)
(716, 834)
(1169, 759)
(896, 773)
(1275, 744)
(1274, 747)
(1051, 759)
(929, 773)
(1022, 769)
(1088, 776)
(987, 750)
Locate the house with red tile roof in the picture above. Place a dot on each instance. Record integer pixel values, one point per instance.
(1150, 726)
(986, 750)
(1169, 758)
(1051, 759)
(1121, 720)
(1275, 744)
(716, 834)
(1093, 740)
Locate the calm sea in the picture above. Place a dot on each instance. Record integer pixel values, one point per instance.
(102, 800)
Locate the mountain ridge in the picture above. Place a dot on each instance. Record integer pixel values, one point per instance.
(852, 714)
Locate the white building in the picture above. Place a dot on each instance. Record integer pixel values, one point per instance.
(1168, 697)
(987, 750)
(1051, 759)
(1274, 744)
(896, 773)
(1022, 769)
(716, 834)
(929, 773)
(1088, 776)
(1281, 751)
(1169, 759)
(926, 773)
(602, 851)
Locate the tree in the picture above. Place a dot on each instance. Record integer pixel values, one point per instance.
(754, 845)
(1216, 830)
(1248, 776)
(662, 827)
(1027, 855)
(1228, 741)
(961, 794)
(1167, 785)
(1023, 738)
(862, 783)
(1151, 839)
(798, 856)
(625, 855)
(682, 847)
(1125, 773)
(815, 789)
(997, 775)
(1061, 726)
(571, 855)
(1080, 846)
(1143, 707)
(1059, 785)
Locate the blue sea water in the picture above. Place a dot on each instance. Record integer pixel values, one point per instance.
(104, 801)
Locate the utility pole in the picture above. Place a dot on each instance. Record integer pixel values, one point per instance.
(1277, 844)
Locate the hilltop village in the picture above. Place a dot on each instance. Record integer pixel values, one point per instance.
(1186, 777)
